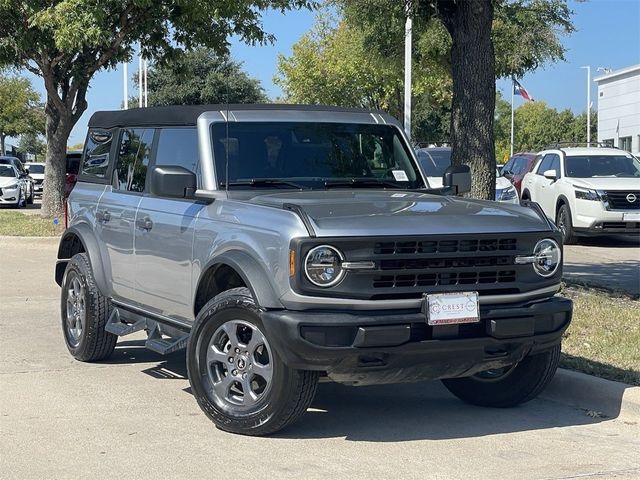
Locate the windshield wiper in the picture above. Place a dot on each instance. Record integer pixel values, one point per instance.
(261, 182)
(361, 182)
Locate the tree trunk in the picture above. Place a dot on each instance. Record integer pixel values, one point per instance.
(2, 139)
(59, 128)
(474, 90)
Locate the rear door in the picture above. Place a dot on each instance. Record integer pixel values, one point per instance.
(164, 233)
(116, 212)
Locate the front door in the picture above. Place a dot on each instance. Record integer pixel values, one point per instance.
(164, 234)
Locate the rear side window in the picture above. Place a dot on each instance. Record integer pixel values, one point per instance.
(179, 147)
(96, 154)
(134, 152)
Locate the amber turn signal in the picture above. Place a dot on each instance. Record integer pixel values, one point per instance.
(292, 263)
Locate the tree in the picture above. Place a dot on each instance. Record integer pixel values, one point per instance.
(201, 77)
(32, 143)
(20, 109)
(485, 39)
(67, 41)
(332, 65)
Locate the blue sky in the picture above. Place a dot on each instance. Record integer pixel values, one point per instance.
(608, 35)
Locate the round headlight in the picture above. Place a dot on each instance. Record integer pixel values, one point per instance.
(548, 256)
(323, 266)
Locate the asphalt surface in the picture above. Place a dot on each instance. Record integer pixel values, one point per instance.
(609, 262)
(134, 417)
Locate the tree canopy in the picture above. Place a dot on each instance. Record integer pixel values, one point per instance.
(201, 77)
(20, 109)
(67, 41)
(459, 48)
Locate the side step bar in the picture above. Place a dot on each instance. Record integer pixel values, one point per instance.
(165, 346)
(165, 336)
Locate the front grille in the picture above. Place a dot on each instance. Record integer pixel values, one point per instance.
(621, 225)
(445, 278)
(410, 266)
(38, 181)
(406, 268)
(619, 200)
(445, 246)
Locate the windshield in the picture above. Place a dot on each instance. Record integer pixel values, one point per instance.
(7, 171)
(36, 168)
(312, 155)
(588, 166)
(434, 162)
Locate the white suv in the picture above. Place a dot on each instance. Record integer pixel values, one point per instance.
(587, 191)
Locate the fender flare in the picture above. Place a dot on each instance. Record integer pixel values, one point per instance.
(253, 275)
(562, 199)
(90, 244)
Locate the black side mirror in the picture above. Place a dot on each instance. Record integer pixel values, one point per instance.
(173, 181)
(457, 179)
(24, 175)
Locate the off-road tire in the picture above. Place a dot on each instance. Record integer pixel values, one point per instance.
(523, 383)
(291, 391)
(95, 343)
(568, 235)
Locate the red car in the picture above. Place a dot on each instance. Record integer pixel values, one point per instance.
(517, 167)
(73, 166)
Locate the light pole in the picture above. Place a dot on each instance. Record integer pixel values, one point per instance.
(588, 67)
(125, 79)
(407, 73)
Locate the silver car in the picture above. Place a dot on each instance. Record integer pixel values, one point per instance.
(281, 244)
(13, 186)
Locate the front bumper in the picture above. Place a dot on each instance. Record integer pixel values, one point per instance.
(367, 347)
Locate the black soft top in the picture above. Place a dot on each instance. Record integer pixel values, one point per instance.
(179, 115)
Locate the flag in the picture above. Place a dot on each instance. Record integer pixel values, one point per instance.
(520, 90)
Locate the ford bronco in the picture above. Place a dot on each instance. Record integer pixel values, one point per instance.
(283, 244)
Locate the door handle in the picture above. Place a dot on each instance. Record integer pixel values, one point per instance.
(144, 223)
(103, 216)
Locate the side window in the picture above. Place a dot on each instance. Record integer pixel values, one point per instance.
(178, 146)
(133, 159)
(545, 164)
(95, 162)
(507, 168)
(555, 165)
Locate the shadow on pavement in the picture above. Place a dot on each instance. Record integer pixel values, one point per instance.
(623, 276)
(610, 241)
(384, 413)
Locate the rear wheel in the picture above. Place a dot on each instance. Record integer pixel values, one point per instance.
(509, 386)
(85, 312)
(565, 225)
(237, 377)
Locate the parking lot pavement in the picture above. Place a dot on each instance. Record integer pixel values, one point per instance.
(609, 262)
(133, 416)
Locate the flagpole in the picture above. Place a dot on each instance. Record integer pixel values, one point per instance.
(513, 86)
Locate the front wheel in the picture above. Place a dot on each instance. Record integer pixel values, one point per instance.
(509, 386)
(565, 225)
(236, 375)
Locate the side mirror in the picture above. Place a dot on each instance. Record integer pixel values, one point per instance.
(551, 174)
(27, 170)
(173, 181)
(24, 175)
(457, 179)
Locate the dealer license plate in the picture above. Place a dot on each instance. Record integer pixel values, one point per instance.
(631, 217)
(452, 308)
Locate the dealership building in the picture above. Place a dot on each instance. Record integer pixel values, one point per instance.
(619, 108)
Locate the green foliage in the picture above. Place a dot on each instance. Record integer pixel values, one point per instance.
(202, 77)
(537, 125)
(32, 143)
(20, 108)
(67, 41)
(526, 33)
(333, 65)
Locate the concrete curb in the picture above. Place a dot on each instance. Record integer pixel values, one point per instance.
(597, 396)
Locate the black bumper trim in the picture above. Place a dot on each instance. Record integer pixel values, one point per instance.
(397, 346)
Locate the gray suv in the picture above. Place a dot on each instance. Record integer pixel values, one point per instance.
(286, 244)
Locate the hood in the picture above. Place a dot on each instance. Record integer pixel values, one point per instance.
(607, 183)
(391, 212)
(502, 183)
(4, 181)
